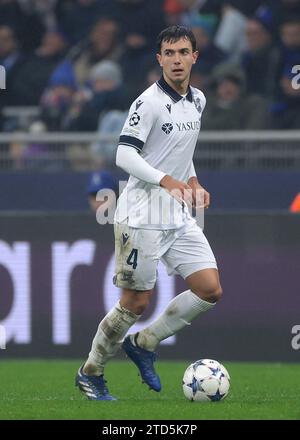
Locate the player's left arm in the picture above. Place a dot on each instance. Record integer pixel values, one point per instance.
(201, 197)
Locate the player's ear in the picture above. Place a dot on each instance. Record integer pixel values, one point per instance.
(158, 57)
(195, 56)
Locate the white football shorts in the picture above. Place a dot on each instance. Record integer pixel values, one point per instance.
(138, 251)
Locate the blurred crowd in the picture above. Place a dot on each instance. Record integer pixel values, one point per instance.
(82, 62)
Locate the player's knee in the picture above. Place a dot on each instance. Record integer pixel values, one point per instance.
(211, 294)
(141, 305)
(216, 294)
(134, 301)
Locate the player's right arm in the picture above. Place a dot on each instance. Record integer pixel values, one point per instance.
(136, 129)
(130, 161)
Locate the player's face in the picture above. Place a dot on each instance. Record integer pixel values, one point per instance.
(177, 59)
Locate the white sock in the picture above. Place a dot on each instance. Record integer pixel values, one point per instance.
(108, 338)
(180, 312)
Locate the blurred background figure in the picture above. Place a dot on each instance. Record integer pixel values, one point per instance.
(32, 155)
(209, 54)
(230, 35)
(97, 180)
(35, 72)
(24, 19)
(229, 108)
(104, 91)
(102, 43)
(290, 43)
(109, 128)
(261, 57)
(141, 21)
(286, 110)
(11, 58)
(77, 17)
(58, 97)
(153, 74)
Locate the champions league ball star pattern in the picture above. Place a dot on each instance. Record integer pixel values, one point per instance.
(206, 380)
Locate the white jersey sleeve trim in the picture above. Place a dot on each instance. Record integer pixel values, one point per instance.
(130, 161)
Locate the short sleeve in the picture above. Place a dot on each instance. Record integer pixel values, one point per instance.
(138, 124)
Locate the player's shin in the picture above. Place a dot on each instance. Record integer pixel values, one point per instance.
(180, 312)
(108, 338)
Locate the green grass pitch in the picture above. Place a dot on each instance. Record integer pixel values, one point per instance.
(45, 390)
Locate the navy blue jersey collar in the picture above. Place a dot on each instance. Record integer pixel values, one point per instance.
(171, 92)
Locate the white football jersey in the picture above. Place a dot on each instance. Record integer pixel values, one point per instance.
(163, 127)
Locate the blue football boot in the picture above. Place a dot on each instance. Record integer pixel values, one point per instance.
(94, 387)
(144, 360)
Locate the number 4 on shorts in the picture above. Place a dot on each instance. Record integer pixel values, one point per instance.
(132, 259)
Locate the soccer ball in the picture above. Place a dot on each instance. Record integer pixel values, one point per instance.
(206, 380)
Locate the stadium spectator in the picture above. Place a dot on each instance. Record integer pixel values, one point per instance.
(21, 19)
(122, 31)
(111, 123)
(57, 98)
(260, 59)
(209, 55)
(153, 74)
(79, 16)
(35, 72)
(284, 9)
(102, 44)
(44, 9)
(140, 21)
(290, 39)
(12, 58)
(286, 111)
(105, 93)
(230, 35)
(34, 155)
(229, 108)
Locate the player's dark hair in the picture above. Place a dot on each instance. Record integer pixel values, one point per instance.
(174, 33)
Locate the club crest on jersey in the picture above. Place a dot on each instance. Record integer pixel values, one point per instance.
(197, 103)
(167, 128)
(134, 119)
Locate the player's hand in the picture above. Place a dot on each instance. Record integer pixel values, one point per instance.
(179, 190)
(201, 197)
